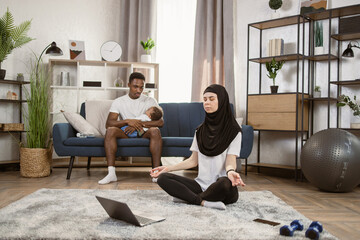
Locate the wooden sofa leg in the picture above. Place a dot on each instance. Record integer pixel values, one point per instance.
(71, 163)
(88, 164)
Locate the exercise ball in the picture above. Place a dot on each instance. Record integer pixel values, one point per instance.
(330, 159)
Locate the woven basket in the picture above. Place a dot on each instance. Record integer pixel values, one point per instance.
(35, 162)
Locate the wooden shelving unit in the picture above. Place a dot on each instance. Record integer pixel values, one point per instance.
(304, 129)
(329, 16)
(282, 112)
(19, 101)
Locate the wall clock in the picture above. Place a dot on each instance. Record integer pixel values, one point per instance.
(111, 51)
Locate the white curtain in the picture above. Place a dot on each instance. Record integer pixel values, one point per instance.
(174, 50)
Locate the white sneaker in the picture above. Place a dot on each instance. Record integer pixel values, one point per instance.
(154, 180)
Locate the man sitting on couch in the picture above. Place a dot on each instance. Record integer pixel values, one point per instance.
(123, 112)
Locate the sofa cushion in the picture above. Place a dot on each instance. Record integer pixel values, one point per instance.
(177, 142)
(181, 119)
(99, 142)
(128, 142)
(80, 124)
(97, 113)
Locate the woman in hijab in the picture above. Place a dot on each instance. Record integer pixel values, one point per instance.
(216, 145)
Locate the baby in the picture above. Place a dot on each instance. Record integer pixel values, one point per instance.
(154, 113)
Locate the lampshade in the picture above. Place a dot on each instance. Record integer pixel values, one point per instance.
(54, 50)
(348, 51)
(51, 49)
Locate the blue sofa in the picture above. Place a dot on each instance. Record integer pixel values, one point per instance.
(180, 122)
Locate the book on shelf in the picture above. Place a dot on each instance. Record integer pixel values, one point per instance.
(275, 47)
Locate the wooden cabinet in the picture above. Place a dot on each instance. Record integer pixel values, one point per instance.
(277, 112)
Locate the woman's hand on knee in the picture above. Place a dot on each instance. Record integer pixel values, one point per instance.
(235, 179)
(155, 172)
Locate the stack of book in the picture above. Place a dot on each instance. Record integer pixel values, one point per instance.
(275, 47)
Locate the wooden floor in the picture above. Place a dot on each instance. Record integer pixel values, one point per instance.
(338, 212)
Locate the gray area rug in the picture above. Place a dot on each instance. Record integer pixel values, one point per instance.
(76, 214)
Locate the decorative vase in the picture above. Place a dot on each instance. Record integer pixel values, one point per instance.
(317, 94)
(2, 74)
(355, 125)
(275, 15)
(319, 50)
(35, 162)
(355, 122)
(145, 58)
(119, 83)
(20, 78)
(274, 89)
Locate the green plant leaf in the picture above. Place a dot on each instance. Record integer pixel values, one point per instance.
(12, 36)
(346, 100)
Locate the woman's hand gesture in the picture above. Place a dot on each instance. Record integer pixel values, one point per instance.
(155, 172)
(235, 178)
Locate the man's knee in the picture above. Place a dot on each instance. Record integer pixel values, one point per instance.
(111, 132)
(154, 132)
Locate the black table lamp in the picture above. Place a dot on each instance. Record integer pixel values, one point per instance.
(348, 51)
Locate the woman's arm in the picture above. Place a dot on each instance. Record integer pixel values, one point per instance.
(191, 162)
(230, 166)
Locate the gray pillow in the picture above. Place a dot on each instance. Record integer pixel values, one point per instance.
(80, 124)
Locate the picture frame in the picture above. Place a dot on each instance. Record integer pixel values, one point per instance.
(307, 6)
(77, 50)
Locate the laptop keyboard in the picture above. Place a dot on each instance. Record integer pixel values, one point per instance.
(143, 220)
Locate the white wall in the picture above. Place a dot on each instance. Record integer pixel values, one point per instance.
(279, 148)
(94, 22)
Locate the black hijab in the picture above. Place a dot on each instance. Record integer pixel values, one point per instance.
(220, 128)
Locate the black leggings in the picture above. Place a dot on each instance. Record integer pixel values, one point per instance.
(190, 191)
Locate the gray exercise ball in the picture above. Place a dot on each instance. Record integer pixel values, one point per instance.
(330, 159)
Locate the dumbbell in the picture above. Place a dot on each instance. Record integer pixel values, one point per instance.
(314, 230)
(295, 225)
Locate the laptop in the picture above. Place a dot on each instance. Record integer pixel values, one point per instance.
(121, 211)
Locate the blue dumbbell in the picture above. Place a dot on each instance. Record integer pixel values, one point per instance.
(295, 225)
(314, 230)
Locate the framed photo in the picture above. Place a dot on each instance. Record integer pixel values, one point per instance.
(77, 50)
(307, 6)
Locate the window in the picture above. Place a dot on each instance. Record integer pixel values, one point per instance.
(175, 46)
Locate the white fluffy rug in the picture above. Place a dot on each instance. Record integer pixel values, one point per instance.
(76, 214)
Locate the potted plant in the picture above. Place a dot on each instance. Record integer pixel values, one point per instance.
(344, 100)
(275, 5)
(147, 45)
(36, 153)
(11, 37)
(273, 67)
(317, 92)
(319, 43)
(20, 77)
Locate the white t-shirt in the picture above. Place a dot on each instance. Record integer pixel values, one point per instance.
(143, 117)
(129, 108)
(211, 168)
